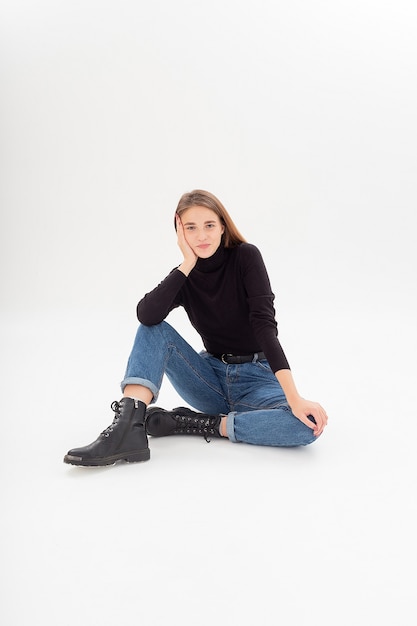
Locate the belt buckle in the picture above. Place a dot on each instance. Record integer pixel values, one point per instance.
(223, 358)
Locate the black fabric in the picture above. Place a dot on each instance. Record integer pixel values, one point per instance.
(229, 301)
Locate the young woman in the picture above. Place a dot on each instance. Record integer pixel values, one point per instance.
(241, 384)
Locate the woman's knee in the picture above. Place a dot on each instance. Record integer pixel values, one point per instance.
(162, 329)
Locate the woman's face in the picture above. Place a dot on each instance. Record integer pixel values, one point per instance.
(203, 230)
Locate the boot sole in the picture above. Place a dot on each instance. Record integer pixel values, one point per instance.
(129, 457)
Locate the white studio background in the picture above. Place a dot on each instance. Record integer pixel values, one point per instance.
(300, 117)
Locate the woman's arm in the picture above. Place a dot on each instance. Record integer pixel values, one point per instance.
(155, 305)
(301, 407)
(260, 300)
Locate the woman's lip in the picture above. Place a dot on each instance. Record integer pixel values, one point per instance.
(203, 245)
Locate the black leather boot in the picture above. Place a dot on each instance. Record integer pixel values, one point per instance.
(125, 439)
(181, 421)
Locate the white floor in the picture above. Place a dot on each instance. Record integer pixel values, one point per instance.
(206, 533)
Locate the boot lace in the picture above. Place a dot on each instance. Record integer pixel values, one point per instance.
(191, 425)
(117, 408)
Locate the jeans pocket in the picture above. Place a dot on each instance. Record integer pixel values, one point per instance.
(264, 365)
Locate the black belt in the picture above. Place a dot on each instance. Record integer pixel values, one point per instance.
(233, 359)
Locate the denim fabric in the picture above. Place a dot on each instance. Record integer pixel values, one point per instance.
(248, 393)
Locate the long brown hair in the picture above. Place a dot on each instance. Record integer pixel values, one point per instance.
(231, 236)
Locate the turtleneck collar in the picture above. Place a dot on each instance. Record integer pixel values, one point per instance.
(213, 263)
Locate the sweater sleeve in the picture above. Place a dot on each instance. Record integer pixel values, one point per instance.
(260, 300)
(155, 305)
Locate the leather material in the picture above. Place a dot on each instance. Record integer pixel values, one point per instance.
(181, 421)
(235, 359)
(125, 439)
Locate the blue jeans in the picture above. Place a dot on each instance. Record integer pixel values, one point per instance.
(248, 393)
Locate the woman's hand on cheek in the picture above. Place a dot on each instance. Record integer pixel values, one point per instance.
(190, 258)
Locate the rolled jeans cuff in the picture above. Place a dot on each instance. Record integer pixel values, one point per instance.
(132, 380)
(230, 426)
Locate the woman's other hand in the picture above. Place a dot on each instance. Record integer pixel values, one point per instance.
(304, 409)
(301, 408)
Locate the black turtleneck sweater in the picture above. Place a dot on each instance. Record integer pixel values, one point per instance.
(228, 300)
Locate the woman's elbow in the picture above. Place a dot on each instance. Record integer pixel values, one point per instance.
(145, 318)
